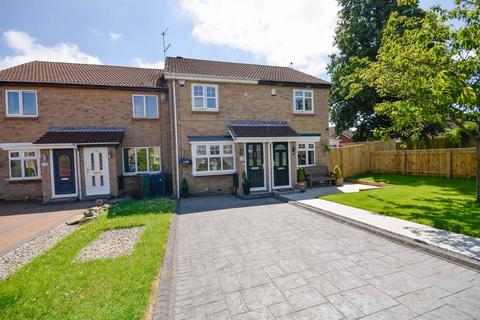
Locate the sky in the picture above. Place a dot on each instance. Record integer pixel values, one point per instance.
(128, 32)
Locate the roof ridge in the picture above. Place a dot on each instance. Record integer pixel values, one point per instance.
(233, 62)
(82, 64)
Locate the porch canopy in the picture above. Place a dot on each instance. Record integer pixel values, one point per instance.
(265, 131)
(82, 136)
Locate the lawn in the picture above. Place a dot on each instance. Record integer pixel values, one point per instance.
(447, 204)
(53, 286)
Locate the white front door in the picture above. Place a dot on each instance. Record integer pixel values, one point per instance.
(96, 171)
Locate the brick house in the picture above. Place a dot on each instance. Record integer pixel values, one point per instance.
(77, 130)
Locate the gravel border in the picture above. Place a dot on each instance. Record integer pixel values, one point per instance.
(111, 244)
(13, 260)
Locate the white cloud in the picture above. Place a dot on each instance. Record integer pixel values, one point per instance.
(28, 49)
(281, 31)
(115, 36)
(139, 62)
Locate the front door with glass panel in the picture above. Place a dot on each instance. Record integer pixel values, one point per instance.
(281, 172)
(64, 172)
(255, 166)
(96, 171)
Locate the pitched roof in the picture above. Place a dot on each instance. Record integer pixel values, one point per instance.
(260, 129)
(333, 135)
(233, 70)
(82, 74)
(82, 136)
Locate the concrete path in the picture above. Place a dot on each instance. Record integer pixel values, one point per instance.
(313, 193)
(458, 243)
(21, 222)
(273, 260)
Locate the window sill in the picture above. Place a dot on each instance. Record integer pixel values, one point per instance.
(206, 111)
(305, 166)
(25, 181)
(299, 113)
(206, 174)
(135, 174)
(21, 118)
(145, 119)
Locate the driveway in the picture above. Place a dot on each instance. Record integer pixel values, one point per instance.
(271, 260)
(21, 222)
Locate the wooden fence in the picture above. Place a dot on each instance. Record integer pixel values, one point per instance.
(354, 159)
(458, 162)
(381, 157)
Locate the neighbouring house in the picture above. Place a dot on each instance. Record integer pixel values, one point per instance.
(84, 131)
(338, 140)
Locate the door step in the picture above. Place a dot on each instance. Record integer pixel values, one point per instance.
(255, 195)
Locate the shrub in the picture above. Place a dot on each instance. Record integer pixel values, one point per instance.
(301, 175)
(337, 172)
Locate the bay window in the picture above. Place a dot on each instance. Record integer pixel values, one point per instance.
(141, 160)
(305, 154)
(23, 164)
(215, 158)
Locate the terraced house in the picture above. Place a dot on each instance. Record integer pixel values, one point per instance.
(80, 131)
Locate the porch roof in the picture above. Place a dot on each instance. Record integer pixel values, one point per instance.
(260, 129)
(86, 135)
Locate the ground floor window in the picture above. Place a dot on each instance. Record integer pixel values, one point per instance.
(23, 164)
(212, 158)
(141, 160)
(306, 154)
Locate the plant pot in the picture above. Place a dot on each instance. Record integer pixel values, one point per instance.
(184, 192)
(246, 188)
(339, 182)
(300, 186)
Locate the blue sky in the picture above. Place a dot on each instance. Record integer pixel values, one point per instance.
(128, 32)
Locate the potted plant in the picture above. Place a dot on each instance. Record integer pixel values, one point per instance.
(185, 190)
(245, 184)
(300, 185)
(338, 176)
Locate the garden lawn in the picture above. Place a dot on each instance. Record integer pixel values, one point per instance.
(442, 203)
(54, 286)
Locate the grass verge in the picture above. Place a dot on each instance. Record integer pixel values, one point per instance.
(442, 203)
(54, 286)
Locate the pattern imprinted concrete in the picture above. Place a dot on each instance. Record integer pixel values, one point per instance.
(276, 261)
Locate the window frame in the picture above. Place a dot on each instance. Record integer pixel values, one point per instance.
(307, 148)
(303, 97)
(204, 86)
(20, 102)
(221, 155)
(144, 96)
(136, 172)
(22, 159)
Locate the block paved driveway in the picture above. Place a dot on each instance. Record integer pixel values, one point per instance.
(272, 260)
(21, 222)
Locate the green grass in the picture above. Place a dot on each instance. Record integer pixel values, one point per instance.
(53, 286)
(447, 204)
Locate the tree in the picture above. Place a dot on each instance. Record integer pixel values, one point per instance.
(428, 71)
(358, 35)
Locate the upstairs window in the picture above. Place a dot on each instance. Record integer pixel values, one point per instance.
(210, 159)
(23, 164)
(204, 97)
(305, 154)
(303, 101)
(21, 103)
(145, 106)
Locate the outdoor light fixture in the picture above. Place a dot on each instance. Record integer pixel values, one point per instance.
(181, 83)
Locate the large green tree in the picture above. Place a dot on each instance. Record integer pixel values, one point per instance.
(428, 71)
(358, 35)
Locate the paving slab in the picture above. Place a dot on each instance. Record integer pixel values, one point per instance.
(273, 260)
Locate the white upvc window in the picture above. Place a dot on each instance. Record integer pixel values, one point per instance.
(204, 97)
(145, 106)
(141, 160)
(21, 103)
(23, 164)
(305, 155)
(213, 158)
(303, 101)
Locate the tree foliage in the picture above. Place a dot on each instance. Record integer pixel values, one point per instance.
(358, 35)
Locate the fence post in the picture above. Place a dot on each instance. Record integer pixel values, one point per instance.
(404, 162)
(449, 163)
